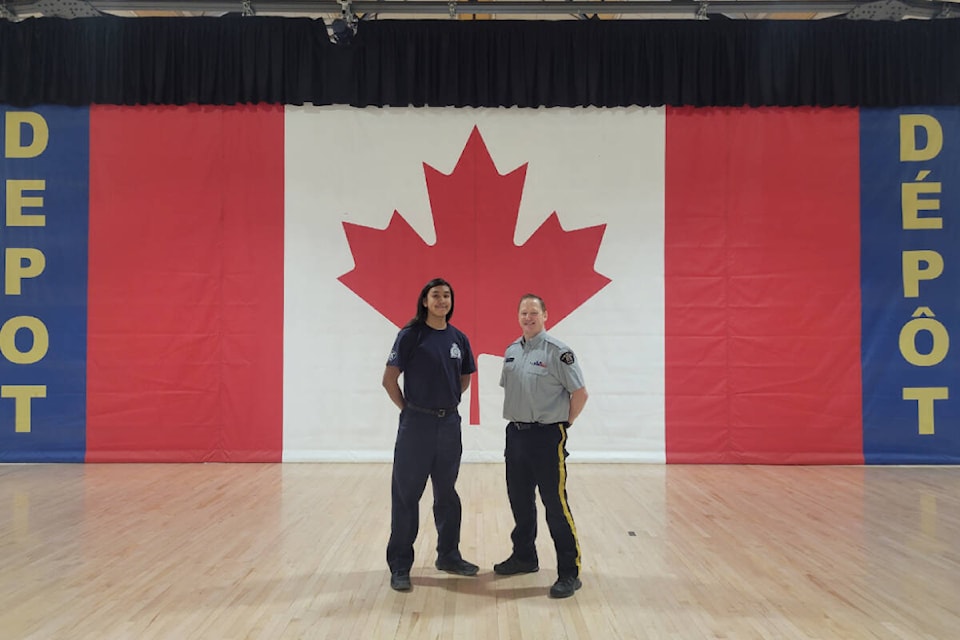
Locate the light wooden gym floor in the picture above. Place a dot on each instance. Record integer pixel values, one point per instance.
(222, 551)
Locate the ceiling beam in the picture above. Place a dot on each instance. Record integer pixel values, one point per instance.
(60, 8)
(454, 8)
(443, 7)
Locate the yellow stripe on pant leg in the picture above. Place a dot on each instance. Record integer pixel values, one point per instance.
(562, 489)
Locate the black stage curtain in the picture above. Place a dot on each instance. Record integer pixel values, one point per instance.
(566, 63)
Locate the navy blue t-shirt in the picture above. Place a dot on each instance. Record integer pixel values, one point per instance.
(432, 361)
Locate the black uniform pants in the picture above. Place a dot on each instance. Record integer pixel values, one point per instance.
(536, 458)
(427, 446)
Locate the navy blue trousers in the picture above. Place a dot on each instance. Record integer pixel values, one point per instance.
(426, 447)
(536, 458)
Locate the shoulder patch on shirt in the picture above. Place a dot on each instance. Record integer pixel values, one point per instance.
(567, 357)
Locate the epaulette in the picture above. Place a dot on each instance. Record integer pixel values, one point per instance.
(561, 346)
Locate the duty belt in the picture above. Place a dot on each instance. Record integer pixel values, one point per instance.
(440, 413)
(523, 426)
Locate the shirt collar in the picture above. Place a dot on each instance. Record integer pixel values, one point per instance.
(535, 341)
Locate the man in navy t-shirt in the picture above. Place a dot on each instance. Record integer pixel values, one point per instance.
(436, 361)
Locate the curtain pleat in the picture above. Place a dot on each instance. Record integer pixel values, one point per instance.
(568, 63)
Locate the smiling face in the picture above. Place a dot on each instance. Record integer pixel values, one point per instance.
(437, 302)
(532, 317)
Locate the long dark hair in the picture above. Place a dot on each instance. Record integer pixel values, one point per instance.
(421, 316)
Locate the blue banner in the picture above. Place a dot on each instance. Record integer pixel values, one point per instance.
(910, 284)
(43, 318)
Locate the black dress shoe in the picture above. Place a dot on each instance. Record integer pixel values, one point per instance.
(400, 581)
(458, 566)
(512, 566)
(565, 587)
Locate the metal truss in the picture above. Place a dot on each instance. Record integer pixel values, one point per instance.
(878, 10)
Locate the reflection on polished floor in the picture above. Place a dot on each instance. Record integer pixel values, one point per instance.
(268, 551)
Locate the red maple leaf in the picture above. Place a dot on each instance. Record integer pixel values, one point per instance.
(475, 215)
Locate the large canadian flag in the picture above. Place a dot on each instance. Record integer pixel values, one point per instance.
(224, 283)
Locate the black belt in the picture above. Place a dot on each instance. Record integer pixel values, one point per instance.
(523, 426)
(440, 413)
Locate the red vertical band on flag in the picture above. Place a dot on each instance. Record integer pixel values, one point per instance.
(762, 263)
(185, 345)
